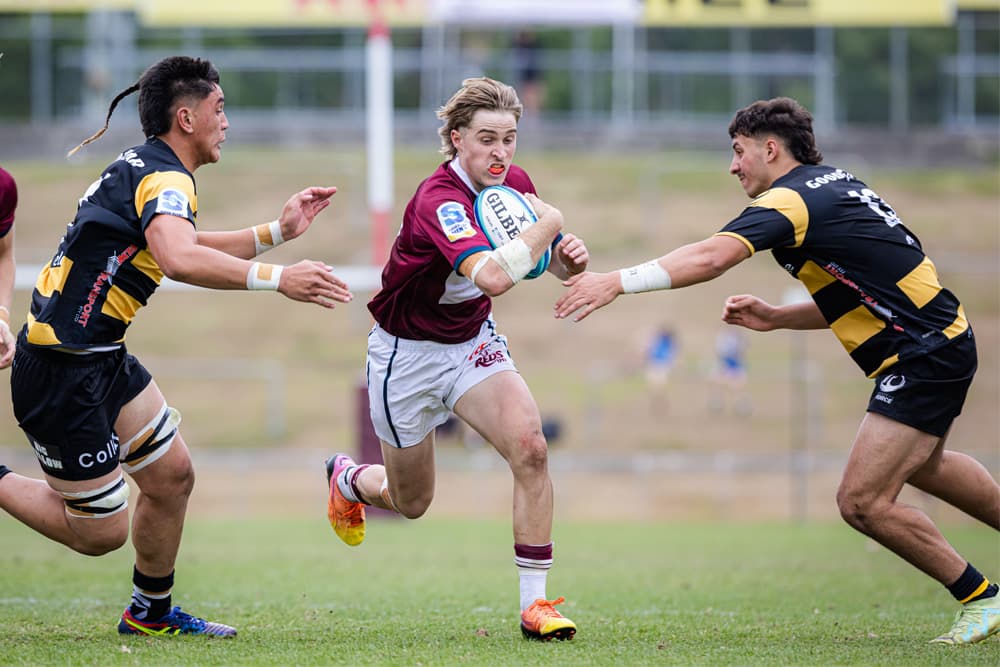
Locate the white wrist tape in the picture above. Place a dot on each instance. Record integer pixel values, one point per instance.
(267, 235)
(645, 278)
(514, 258)
(4, 314)
(478, 267)
(264, 276)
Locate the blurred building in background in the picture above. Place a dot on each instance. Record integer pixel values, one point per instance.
(644, 72)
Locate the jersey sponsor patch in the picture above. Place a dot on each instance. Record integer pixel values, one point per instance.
(172, 202)
(454, 221)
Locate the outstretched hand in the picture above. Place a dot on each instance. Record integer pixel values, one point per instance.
(301, 209)
(588, 292)
(313, 282)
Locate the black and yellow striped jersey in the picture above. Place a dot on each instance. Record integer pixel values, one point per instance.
(864, 269)
(103, 272)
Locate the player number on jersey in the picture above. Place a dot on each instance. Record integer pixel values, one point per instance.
(877, 204)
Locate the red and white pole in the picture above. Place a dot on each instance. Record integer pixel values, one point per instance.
(379, 141)
(379, 130)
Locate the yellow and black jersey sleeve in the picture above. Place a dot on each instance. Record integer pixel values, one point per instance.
(165, 193)
(777, 218)
(865, 270)
(103, 272)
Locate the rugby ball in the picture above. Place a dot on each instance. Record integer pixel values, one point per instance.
(503, 213)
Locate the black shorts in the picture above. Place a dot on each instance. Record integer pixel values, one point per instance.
(67, 405)
(928, 392)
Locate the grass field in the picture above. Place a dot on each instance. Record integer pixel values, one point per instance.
(440, 592)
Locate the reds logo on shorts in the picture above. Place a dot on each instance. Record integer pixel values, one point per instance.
(413, 385)
(487, 357)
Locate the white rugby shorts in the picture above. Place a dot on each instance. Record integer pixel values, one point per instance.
(413, 385)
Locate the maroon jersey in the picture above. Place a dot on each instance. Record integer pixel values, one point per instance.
(423, 297)
(8, 202)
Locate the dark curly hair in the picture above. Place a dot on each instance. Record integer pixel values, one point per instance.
(159, 88)
(783, 117)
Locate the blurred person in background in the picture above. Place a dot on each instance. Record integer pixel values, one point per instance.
(90, 410)
(661, 356)
(530, 81)
(8, 269)
(729, 376)
(872, 284)
(435, 348)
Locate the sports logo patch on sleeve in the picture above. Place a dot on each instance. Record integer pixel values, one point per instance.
(454, 221)
(172, 202)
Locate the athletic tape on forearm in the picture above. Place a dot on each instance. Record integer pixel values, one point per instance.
(4, 314)
(645, 278)
(264, 276)
(267, 235)
(515, 259)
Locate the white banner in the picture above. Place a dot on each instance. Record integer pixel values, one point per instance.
(536, 12)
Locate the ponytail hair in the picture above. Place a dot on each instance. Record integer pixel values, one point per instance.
(107, 121)
(160, 87)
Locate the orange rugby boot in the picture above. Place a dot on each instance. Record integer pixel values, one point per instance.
(542, 622)
(346, 517)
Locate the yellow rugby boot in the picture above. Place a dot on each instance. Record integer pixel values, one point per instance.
(976, 621)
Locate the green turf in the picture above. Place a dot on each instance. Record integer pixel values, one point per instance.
(437, 592)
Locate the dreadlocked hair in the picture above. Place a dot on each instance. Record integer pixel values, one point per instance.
(160, 87)
(107, 121)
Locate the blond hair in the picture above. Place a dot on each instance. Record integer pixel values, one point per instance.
(475, 94)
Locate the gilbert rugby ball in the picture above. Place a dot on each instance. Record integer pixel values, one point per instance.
(503, 213)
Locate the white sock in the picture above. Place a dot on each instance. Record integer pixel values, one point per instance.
(345, 486)
(532, 582)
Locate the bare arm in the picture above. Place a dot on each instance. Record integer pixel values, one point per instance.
(297, 215)
(748, 311)
(7, 274)
(173, 243)
(491, 278)
(238, 243)
(688, 265)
